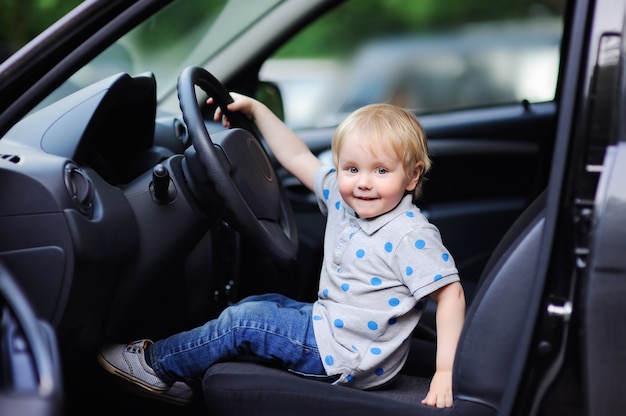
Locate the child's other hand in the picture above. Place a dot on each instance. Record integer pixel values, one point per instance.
(440, 392)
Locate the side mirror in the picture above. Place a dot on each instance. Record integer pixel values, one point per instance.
(269, 94)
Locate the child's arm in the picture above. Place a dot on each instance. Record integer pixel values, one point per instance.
(292, 153)
(450, 317)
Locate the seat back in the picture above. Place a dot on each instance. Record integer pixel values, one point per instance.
(489, 343)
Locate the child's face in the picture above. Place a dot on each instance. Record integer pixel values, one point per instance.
(372, 184)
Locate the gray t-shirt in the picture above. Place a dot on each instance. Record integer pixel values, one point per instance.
(375, 278)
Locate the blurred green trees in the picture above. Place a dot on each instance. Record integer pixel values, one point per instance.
(22, 20)
(328, 36)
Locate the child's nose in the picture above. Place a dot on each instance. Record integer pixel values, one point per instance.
(363, 181)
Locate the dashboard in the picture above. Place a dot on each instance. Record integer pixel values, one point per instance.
(72, 174)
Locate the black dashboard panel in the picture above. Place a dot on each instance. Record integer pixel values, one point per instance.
(108, 126)
(64, 220)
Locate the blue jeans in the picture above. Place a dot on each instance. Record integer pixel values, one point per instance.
(267, 327)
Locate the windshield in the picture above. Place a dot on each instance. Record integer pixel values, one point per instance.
(184, 33)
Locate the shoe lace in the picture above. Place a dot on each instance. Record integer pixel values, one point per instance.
(134, 348)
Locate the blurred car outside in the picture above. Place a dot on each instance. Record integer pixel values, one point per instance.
(474, 66)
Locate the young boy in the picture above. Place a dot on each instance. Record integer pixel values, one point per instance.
(382, 260)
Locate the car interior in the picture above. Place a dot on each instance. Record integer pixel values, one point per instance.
(121, 221)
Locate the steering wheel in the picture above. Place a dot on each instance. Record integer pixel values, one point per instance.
(31, 378)
(248, 194)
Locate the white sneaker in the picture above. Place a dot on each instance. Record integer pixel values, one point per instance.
(128, 361)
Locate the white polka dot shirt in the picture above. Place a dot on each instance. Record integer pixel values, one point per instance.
(375, 278)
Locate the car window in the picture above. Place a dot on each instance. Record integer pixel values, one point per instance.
(428, 55)
(21, 21)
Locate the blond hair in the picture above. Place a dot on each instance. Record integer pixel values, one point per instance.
(388, 125)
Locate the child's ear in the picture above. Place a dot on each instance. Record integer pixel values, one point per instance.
(415, 177)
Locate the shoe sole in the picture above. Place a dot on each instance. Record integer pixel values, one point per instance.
(165, 396)
(114, 370)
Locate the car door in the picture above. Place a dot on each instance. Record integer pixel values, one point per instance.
(575, 360)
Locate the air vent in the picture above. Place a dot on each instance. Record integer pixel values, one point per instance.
(181, 133)
(11, 158)
(80, 188)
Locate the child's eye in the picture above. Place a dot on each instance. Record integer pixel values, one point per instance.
(381, 171)
(352, 169)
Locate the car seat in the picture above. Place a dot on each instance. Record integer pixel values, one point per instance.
(486, 353)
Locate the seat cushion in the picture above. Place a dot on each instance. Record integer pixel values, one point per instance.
(247, 388)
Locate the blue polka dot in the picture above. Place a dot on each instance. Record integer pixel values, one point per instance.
(339, 269)
(338, 323)
(355, 348)
(376, 351)
(388, 247)
(325, 293)
(445, 256)
(326, 194)
(350, 378)
(372, 325)
(438, 277)
(351, 235)
(376, 281)
(393, 321)
(329, 360)
(394, 302)
(345, 287)
(409, 270)
(360, 253)
(420, 244)
(379, 372)
(410, 214)
(333, 170)
(317, 318)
